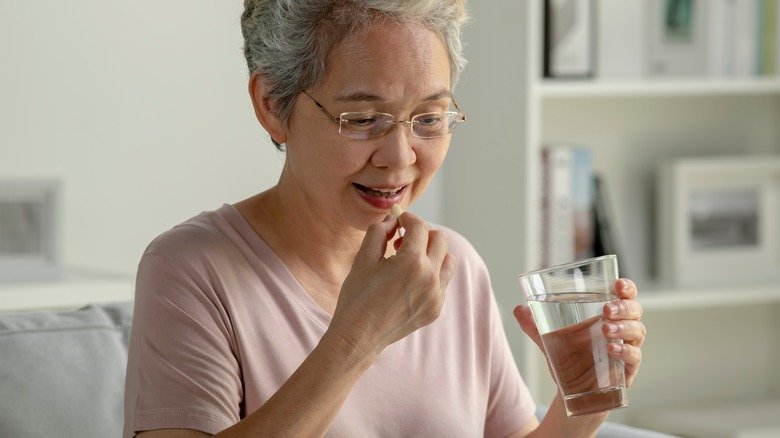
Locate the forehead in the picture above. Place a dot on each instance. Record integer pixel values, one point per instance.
(392, 60)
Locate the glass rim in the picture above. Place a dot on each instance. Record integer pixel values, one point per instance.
(567, 265)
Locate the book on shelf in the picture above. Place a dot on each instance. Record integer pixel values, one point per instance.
(605, 240)
(646, 38)
(769, 39)
(575, 215)
(569, 38)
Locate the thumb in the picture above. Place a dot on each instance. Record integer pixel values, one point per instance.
(526, 321)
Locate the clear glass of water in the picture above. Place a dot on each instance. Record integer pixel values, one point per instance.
(567, 303)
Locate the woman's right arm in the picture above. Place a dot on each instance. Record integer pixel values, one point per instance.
(381, 301)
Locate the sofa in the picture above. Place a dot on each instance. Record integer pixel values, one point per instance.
(62, 374)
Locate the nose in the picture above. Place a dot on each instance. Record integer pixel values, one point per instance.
(395, 149)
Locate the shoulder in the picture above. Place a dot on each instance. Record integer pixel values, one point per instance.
(203, 234)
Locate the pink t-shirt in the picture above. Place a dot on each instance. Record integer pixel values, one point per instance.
(220, 324)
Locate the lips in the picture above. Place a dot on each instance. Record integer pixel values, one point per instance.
(381, 197)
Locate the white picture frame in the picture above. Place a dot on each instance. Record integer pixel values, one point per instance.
(30, 234)
(719, 221)
(678, 38)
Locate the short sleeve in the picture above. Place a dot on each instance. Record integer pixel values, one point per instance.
(510, 405)
(182, 367)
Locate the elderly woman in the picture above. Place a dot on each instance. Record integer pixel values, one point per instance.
(299, 311)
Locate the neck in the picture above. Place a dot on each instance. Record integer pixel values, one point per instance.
(309, 242)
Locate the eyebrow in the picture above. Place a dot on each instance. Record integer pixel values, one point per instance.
(368, 97)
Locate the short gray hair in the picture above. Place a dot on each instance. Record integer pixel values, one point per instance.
(287, 42)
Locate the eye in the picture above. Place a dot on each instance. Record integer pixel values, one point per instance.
(429, 119)
(363, 122)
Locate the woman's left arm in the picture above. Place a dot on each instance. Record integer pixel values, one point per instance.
(623, 320)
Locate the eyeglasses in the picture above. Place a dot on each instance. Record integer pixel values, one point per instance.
(369, 125)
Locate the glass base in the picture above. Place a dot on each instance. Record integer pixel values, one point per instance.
(596, 401)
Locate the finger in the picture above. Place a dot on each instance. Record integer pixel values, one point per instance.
(416, 235)
(633, 332)
(626, 288)
(438, 246)
(447, 271)
(631, 355)
(623, 309)
(376, 238)
(526, 321)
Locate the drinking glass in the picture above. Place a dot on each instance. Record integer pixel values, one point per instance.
(567, 303)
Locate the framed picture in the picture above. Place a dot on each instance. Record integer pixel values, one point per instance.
(719, 221)
(678, 37)
(29, 230)
(569, 38)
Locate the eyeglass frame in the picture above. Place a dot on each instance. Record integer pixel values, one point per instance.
(395, 122)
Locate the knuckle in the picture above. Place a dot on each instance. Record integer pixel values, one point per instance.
(418, 266)
(421, 225)
(440, 237)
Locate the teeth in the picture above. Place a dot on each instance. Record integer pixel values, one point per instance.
(385, 190)
(385, 193)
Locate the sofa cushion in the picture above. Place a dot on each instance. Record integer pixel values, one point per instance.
(63, 373)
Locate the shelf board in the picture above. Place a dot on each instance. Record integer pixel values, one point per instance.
(552, 88)
(700, 298)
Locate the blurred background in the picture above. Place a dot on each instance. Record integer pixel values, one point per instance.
(594, 126)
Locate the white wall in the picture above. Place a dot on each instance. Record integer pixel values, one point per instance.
(141, 108)
(484, 178)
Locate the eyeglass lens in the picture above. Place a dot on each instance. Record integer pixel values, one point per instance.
(364, 125)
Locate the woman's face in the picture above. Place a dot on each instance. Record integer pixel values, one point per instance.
(401, 70)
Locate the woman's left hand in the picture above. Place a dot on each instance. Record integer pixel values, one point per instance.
(622, 320)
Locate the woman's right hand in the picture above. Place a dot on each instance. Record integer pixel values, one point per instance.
(383, 299)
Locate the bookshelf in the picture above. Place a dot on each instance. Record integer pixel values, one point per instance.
(707, 346)
(596, 89)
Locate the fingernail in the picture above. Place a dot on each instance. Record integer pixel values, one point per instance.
(617, 348)
(626, 284)
(613, 309)
(388, 218)
(611, 328)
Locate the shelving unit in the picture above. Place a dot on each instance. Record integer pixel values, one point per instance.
(564, 89)
(707, 347)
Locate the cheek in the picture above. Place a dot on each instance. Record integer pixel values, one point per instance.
(428, 163)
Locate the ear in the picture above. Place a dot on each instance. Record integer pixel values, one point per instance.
(265, 110)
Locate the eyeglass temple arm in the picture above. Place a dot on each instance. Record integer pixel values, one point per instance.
(322, 108)
(457, 107)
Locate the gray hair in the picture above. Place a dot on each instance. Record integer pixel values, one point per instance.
(287, 42)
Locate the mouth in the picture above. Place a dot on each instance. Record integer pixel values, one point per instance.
(382, 198)
(379, 192)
